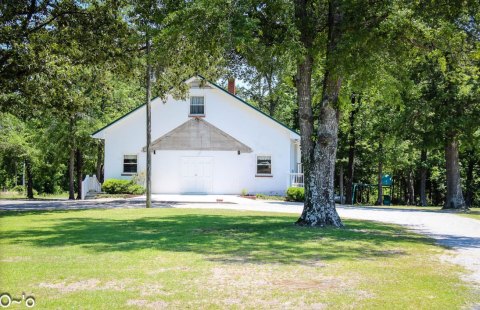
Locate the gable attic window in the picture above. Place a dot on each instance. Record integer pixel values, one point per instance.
(197, 106)
(129, 164)
(264, 165)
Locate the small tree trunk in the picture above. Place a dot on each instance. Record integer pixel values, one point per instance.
(454, 198)
(28, 168)
(469, 180)
(423, 177)
(79, 168)
(379, 177)
(99, 168)
(340, 183)
(351, 152)
(411, 189)
(71, 177)
(405, 190)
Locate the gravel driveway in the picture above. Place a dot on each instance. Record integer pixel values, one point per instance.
(460, 233)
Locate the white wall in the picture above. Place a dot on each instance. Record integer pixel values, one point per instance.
(232, 172)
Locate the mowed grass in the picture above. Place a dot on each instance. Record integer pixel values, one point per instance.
(474, 213)
(17, 195)
(180, 258)
(401, 207)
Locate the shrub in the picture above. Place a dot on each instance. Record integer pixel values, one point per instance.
(261, 196)
(115, 186)
(19, 189)
(136, 189)
(295, 194)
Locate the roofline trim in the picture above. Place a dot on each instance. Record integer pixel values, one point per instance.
(248, 104)
(217, 86)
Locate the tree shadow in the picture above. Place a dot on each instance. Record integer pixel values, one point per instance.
(237, 239)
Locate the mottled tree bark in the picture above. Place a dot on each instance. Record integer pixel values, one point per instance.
(305, 116)
(79, 170)
(29, 174)
(454, 198)
(423, 177)
(319, 156)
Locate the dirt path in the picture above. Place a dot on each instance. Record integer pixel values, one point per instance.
(460, 233)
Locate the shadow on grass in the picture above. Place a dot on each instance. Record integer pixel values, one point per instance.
(236, 239)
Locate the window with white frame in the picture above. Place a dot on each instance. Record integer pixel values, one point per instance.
(264, 164)
(197, 105)
(130, 164)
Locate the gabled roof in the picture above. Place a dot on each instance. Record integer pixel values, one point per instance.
(198, 135)
(216, 86)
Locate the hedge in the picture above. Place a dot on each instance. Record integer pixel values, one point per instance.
(115, 186)
(295, 194)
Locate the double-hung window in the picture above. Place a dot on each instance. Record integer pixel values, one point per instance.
(197, 106)
(130, 164)
(264, 165)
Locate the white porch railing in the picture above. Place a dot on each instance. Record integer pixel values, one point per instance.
(90, 184)
(296, 179)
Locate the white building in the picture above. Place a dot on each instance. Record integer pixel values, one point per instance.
(213, 142)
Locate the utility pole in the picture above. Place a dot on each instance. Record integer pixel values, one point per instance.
(149, 126)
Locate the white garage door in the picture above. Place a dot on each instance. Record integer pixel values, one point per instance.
(197, 175)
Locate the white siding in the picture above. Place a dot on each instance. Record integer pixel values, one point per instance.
(232, 172)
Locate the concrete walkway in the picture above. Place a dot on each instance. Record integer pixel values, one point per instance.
(460, 233)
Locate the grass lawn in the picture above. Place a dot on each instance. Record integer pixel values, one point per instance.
(180, 258)
(474, 213)
(16, 195)
(429, 208)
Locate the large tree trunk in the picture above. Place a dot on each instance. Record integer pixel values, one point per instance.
(454, 198)
(321, 211)
(379, 176)
(305, 115)
(28, 168)
(71, 177)
(79, 168)
(99, 168)
(423, 178)
(469, 180)
(318, 158)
